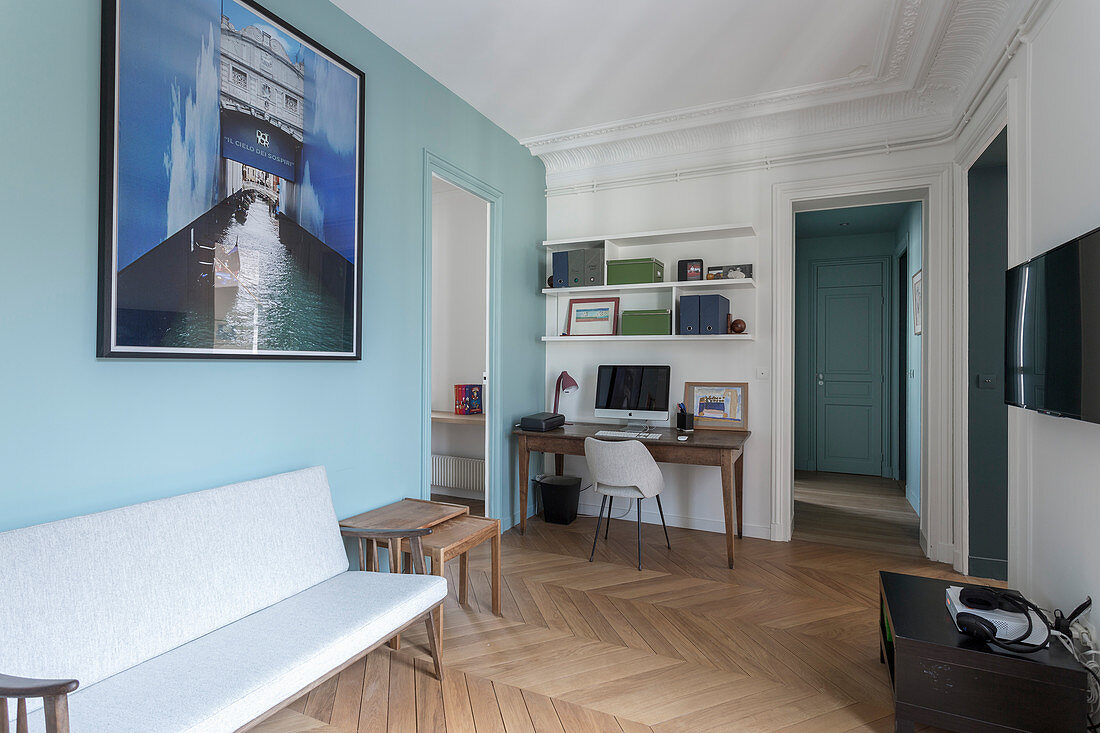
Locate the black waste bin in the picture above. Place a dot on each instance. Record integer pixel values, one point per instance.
(560, 497)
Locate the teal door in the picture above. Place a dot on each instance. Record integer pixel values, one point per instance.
(850, 359)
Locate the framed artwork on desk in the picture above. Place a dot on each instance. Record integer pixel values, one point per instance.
(718, 405)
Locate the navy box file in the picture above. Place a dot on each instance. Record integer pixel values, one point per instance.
(714, 311)
(561, 269)
(689, 315)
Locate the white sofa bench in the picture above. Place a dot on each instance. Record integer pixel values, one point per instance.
(201, 612)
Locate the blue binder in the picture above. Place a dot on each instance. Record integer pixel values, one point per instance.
(561, 269)
(714, 310)
(689, 315)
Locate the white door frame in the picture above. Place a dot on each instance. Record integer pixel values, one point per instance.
(496, 454)
(1006, 106)
(942, 518)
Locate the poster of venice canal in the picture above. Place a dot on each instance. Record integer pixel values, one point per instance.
(232, 164)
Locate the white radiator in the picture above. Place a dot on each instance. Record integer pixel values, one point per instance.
(461, 474)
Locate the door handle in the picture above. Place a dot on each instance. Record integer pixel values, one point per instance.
(820, 380)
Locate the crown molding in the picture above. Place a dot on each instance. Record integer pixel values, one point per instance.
(938, 57)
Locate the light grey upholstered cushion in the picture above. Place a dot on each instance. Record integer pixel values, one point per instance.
(235, 674)
(623, 468)
(88, 597)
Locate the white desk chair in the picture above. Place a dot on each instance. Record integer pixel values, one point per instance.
(623, 468)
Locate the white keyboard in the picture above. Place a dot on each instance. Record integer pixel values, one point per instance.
(627, 434)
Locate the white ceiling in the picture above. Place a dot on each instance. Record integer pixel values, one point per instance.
(607, 89)
(536, 67)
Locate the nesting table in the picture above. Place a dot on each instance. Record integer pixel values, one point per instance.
(454, 533)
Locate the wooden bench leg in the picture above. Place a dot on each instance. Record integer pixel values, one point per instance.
(434, 640)
(395, 567)
(463, 576)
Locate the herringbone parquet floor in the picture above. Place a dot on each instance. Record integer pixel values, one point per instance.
(786, 641)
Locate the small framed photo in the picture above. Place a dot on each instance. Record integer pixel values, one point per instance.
(718, 405)
(716, 273)
(593, 317)
(737, 272)
(918, 300)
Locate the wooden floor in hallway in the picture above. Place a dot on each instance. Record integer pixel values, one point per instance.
(861, 512)
(785, 641)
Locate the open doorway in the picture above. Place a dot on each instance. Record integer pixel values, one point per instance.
(857, 376)
(460, 226)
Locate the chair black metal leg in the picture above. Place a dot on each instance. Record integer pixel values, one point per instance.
(662, 511)
(610, 506)
(639, 534)
(598, 518)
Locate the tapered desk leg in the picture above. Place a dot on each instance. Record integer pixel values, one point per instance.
(496, 573)
(559, 464)
(524, 470)
(727, 502)
(739, 479)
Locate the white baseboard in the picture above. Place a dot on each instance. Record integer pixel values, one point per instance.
(650, 515)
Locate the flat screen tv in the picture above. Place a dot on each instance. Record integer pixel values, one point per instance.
(1052, 331)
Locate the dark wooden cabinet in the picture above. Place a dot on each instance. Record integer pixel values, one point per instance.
(943, 678)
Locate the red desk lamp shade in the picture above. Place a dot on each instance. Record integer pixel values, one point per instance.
(565, 384)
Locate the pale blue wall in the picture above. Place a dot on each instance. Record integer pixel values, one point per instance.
(78, 434)
(909, 235)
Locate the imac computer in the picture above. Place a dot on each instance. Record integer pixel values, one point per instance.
(638, 393)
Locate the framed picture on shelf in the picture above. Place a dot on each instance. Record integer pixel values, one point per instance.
(231, 179)
(737, 272)
(593, 317)
(718, 405)
(918, 300)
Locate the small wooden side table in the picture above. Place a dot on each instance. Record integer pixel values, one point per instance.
(455, 538)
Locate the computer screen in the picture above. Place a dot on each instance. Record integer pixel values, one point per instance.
(632, 388)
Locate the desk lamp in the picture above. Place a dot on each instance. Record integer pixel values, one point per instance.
(565, 384)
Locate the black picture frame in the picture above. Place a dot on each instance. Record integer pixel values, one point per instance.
(343, 281)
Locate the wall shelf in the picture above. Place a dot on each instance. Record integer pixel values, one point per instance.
(666, 337)
(747, 282)
(450, 417)
(665, 236)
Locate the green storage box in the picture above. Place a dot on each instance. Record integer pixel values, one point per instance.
(628, 272)
(647, 323)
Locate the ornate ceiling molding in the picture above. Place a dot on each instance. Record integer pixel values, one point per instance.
(938, 56)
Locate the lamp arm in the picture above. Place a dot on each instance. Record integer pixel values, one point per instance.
(557, 391)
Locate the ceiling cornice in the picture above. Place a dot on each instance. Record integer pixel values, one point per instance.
(938, 57)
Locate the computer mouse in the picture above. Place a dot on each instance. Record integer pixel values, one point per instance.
(682, 437)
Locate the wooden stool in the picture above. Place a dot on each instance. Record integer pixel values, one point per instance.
(455, 538)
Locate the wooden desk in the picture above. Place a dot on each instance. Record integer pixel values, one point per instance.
(723, 448)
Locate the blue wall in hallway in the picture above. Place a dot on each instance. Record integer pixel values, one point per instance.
(909, 236)
(80, 434)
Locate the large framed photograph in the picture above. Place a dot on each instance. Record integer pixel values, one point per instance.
(231, 181)
(718, 405)
(593, 317)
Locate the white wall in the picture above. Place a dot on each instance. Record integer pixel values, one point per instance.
(459, 267)
(692, 497)
(1064, 191)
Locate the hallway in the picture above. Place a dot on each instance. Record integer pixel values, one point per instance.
(861, 512)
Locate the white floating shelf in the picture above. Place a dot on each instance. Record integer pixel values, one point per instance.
(746, 282)
(673, 337)
(665, 236)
